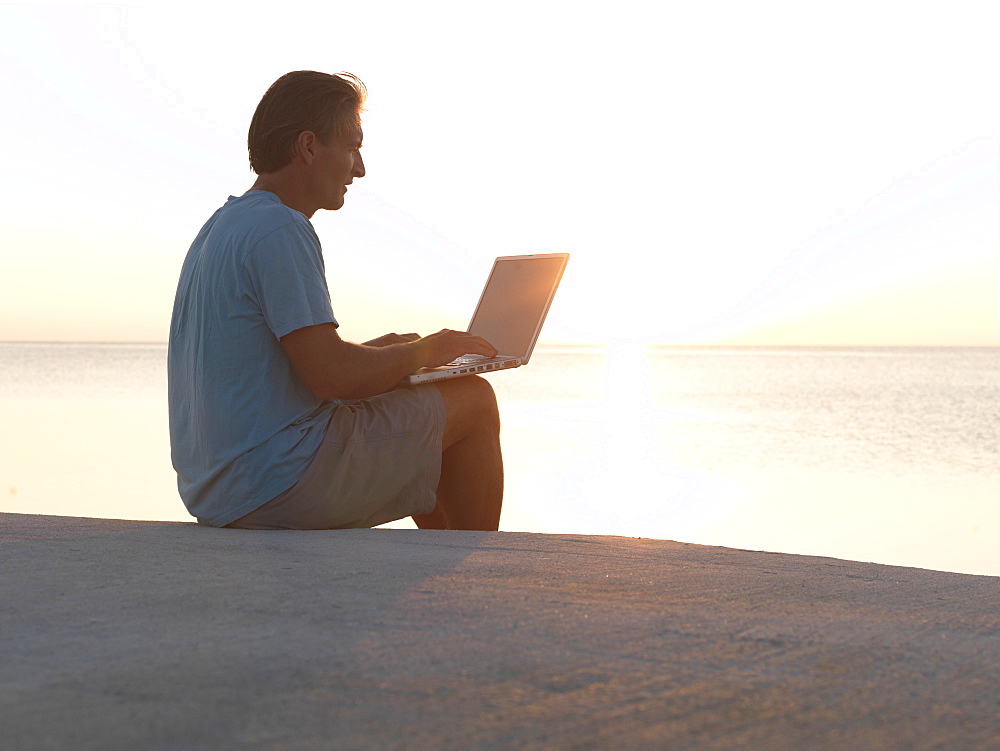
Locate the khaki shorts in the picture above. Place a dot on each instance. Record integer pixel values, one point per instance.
(380, 461)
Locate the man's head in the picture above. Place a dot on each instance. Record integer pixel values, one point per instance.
(327, 105)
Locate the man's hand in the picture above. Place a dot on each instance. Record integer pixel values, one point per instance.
(387, 339)
(444, 346)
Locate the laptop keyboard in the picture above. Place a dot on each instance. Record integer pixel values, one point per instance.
(466, 359)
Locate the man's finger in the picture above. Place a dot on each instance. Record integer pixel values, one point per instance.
(482, 347)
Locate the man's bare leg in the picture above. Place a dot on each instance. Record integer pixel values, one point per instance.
(470, 492)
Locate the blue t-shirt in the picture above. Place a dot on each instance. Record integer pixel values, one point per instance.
(243, 426)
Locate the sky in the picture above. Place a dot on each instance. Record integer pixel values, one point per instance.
(738, 173)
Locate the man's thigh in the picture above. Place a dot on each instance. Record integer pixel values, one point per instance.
(470, 406)
(379, 461)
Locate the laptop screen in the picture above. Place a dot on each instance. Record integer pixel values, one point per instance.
(514, 303)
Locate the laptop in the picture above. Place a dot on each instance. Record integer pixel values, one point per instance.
(509, 315)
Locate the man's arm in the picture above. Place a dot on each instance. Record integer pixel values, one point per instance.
(334, 369)
(387, 339)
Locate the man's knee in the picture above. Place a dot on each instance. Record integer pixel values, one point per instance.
(486, 401)
(470, 406)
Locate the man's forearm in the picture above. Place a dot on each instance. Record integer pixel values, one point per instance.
(334, 369)
(367, 370)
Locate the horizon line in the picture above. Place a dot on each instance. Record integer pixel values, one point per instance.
(678, 345)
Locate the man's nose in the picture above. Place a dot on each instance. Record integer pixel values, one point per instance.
(359, 166)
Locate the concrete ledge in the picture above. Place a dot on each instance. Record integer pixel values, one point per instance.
(148, 635)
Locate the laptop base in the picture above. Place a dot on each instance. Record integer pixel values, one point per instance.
(428, 375)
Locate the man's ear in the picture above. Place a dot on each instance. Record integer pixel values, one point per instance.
(305, 146)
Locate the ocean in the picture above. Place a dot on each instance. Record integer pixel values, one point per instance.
(875, 454)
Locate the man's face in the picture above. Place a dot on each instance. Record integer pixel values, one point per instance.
(335, 167)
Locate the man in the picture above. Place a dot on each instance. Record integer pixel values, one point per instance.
(275, 421)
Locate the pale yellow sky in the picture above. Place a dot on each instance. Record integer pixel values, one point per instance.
(771, 174)
(956, 307)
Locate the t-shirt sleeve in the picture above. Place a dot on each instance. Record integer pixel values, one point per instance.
(287, 281)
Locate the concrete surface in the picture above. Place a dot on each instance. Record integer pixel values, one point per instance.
(142, 635)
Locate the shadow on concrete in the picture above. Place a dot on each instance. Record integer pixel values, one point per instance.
(122, 629)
